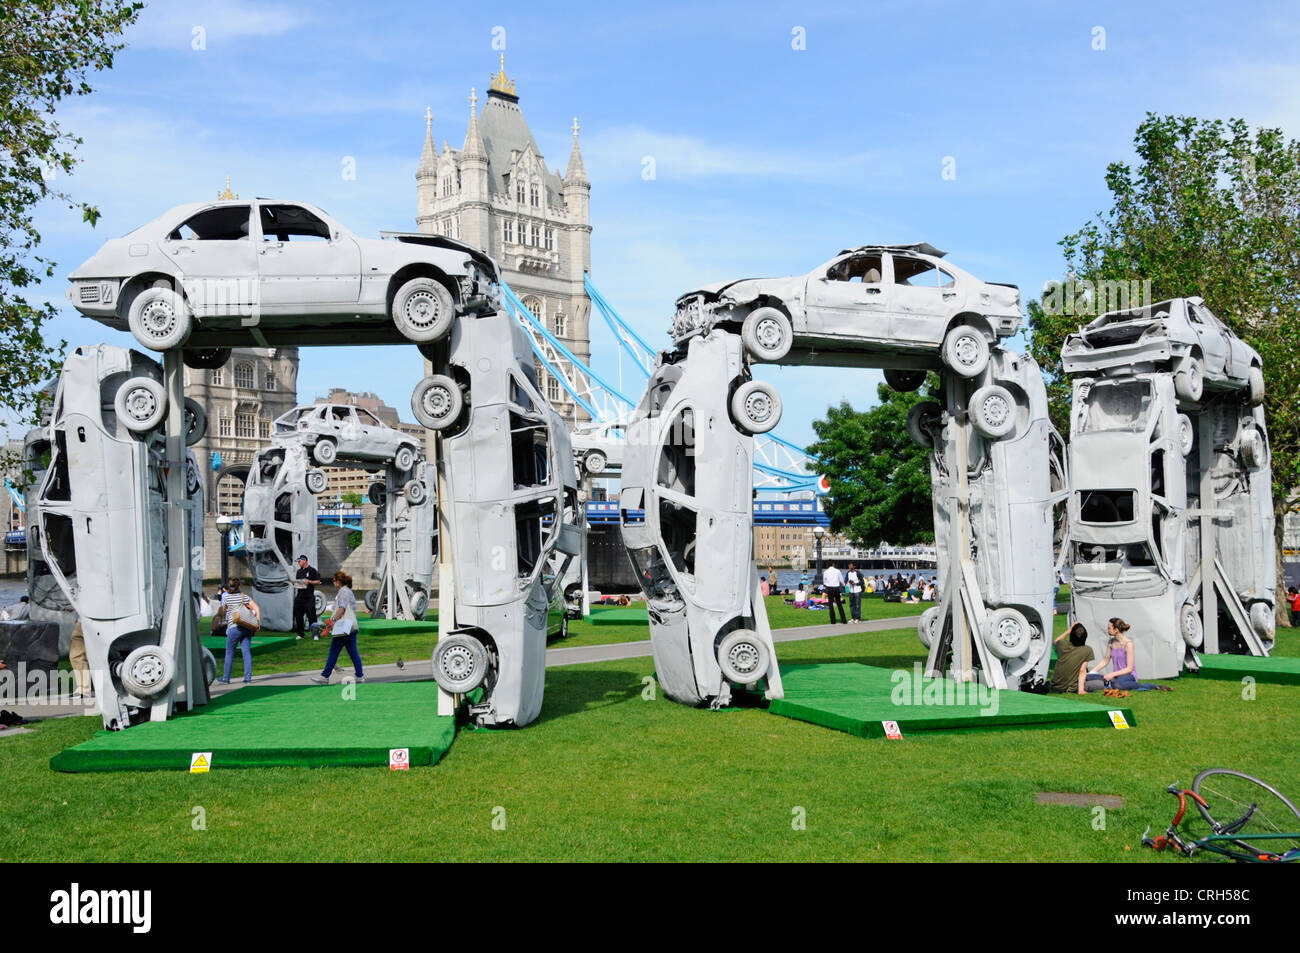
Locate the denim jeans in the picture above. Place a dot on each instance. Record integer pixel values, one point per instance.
(244, 641)
(337, 645)
(1095, 683)
(855, 606)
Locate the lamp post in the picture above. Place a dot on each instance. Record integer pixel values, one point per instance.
(818, 533)
(224, 523)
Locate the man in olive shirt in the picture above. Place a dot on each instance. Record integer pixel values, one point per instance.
(1072, 657)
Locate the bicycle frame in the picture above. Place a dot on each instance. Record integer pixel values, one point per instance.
(1223, 835)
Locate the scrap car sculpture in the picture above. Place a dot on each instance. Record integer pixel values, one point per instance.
(1171, 514)
(687, 518)
(100, 520)
(407, 525)
(509, 503)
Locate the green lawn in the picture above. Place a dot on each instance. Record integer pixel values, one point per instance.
(607, 775)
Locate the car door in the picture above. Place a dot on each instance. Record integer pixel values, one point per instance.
(924, 298)
(304, 262)
(214, 254)
(1214, 340)
(849, 296)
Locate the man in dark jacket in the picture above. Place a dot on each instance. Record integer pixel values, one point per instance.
(305, 584)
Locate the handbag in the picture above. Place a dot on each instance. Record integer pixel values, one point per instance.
(244, 618)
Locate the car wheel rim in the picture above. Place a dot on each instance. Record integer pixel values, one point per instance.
(141, 404)
(1009, 633)
(966, 350)
(743, 658)
(769, 334)
(458, 664)
(995, 410)
(147, 670)
(758, 407)
(422, 310)
(159, 319)
(437, 402)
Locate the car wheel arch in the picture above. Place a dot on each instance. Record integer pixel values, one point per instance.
(419, 270)
(141, 282)
(971, 319)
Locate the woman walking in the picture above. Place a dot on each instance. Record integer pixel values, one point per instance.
(342, 627)
(233, 605)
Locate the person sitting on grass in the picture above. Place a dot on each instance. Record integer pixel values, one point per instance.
(1072, 657)
(1119, 658)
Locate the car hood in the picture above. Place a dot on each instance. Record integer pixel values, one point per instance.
(744, 289)
(442, 241)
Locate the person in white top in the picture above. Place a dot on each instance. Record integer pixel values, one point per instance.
(853, 582)
(833, 581)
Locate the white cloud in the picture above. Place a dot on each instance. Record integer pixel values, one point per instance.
(170, 24)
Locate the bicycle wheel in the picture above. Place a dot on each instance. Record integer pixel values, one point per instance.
(1245, 807)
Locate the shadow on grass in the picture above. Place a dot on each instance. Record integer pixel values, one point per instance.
(571, 691)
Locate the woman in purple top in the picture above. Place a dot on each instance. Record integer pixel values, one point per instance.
(1119, 656)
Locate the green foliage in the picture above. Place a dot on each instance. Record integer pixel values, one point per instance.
(352, 498)
(879, 477)
(354, 539)
(47, 50)
(1211, 209)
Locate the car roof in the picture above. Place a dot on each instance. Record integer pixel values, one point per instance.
(923, 248)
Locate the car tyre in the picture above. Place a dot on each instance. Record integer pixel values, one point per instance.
(594, 462)
(317, 481)
(372, 601)
(905, 381)
(437, 402)
(923, 420)
(1189, 623)
(209, 667)
(1263, 620)
(419, 604)
(325, 451)
(993, 411)
(160, 319)
(141, 404)
(319, 601)
(1253, 446)
(147, 672)
(743, 657)
(1256, 378)
(966, 351)
(415, 492)
(1008, 634)
(206, 358)
(196, 421)
(460, 664)
(929, 625)
(756, 407)
(1189, 380)
(377, 494)
(405, 459)
(767, 334)
(1186, 434)
(423, 310)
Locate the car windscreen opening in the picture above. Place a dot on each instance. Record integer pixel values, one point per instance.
(1106, 506)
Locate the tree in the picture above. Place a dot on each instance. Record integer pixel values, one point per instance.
(879, 477)
(47, 50)
(352, 498)
(1209, 209)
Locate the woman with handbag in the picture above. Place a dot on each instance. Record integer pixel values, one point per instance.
(242, 618)
(342, 627)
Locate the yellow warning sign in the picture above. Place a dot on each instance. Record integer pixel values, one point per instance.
(1117, 719)
(200, 762)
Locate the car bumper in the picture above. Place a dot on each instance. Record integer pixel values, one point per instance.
(94, 297)
(1078, 357)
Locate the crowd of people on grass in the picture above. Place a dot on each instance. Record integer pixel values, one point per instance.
(836, 584)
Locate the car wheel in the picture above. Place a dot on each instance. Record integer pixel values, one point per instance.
(756, 407)
(415, 492)
(1253, 447)
(325, 451)
(928, 626)
(993, 411)
(317, 481)
(209, 667)
(160, 319)
(141, 404)
(1189, 622)
(405, 459)
(377, 494)
(1256, 377)
(319, 600)
(1186, 434)
(923, 422)
(905, 381)
(966, 351)
(1263, 621)
(147, 672)
(192, 481)
(1189, 381)
(419, 603)
(372, 601)
(767, 334)
(459, 664)
(1008, 633)
(594, 462)
(743, 658)
(196, 421)
(437, 402)
(206, 358)
(423, 310)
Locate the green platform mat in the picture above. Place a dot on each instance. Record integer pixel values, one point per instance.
(620, 616)
(279, 726)
(216, 644)
(1277, 670)
(858, 698)
(369, 626)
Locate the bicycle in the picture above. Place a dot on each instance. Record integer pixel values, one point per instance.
(1255, 824)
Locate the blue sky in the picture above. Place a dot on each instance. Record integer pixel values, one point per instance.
(768, 159)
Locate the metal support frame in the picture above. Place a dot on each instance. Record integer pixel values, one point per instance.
(447, 703)
(1209, 547)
